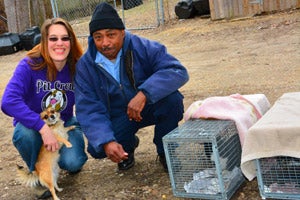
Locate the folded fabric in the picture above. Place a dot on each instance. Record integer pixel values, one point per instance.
(275, 134)
(244, 110)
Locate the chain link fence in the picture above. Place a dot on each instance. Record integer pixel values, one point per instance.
(136, 14)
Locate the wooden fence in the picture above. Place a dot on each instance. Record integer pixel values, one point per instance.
(228, 9)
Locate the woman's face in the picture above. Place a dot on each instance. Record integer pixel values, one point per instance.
(58, 45)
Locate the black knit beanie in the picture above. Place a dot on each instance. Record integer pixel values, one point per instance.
(105, 17)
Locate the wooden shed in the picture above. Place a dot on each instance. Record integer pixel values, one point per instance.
(228, 9)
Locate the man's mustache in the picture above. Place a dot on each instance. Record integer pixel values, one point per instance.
(106, 49)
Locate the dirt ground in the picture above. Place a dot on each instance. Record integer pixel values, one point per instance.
(247, 56)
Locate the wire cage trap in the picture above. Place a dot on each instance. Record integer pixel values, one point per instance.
(203, 158)
(279, 177)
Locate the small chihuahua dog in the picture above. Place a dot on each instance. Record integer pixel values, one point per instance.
(46, 168)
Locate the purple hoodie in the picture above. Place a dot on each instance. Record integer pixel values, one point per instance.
(29, 92)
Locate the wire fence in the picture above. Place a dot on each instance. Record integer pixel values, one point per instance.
(136, 14)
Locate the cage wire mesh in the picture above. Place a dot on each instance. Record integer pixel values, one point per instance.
(279, 177)
(203, 158)
(136, 14)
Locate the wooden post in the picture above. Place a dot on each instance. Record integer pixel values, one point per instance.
(17, 15)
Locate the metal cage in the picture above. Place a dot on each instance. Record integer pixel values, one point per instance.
(203, 158)
(279, 177)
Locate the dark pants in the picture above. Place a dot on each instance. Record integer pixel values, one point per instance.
(164, 114)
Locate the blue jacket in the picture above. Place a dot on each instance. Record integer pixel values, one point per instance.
(145, 66)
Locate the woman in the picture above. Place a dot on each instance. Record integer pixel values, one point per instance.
(44, 78)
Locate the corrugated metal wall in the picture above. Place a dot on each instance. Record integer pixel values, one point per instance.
(228, 9)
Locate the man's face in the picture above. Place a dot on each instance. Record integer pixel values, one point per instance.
(109, 42)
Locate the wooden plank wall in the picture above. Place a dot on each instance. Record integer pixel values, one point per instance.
(229, 9)
(278, 5)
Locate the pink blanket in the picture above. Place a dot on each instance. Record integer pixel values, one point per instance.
(234, 107)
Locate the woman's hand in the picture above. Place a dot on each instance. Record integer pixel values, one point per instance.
(49, 140)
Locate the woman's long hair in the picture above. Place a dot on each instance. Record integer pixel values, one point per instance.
(40, 57)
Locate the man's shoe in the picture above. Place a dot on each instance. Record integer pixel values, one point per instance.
(163, 161)
(137, 141)
(127, 164)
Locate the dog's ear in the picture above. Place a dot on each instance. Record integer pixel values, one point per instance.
(42, 114)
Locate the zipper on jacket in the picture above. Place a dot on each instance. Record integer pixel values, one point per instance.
(108, 75)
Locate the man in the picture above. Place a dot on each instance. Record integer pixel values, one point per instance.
(123, 83)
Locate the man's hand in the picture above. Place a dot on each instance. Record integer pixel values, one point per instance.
(135, 107)
(49, 140)
(115, 152)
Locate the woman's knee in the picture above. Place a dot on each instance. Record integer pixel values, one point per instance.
(24, 135)
(73, 165)
(72, 159)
